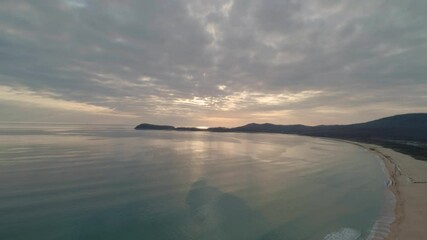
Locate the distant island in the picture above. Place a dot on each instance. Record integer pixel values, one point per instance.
(406, 133)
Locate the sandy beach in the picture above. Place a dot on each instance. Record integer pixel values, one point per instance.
(409, 185)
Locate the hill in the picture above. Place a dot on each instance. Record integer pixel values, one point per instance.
(147, 126)
(407, 127)
(406, 133)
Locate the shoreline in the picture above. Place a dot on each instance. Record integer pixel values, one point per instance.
(407, 177)
(389, 228)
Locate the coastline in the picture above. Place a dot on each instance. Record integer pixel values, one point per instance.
(408, 184)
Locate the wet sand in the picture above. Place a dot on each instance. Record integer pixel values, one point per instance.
(409, 185)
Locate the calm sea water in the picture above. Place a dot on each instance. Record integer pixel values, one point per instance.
(112, 182)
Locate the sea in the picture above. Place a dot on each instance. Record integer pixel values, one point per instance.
(89, 182)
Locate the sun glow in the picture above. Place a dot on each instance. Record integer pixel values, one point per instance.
(53, 101)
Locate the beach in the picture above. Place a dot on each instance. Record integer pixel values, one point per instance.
(408, 178)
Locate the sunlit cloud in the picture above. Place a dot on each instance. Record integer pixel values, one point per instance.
(271, 114)
(245, 99)
(198, 101)
(196, 61)
(52, 101)
(222, 87)
(226, 7)
(277, 99)
(146, 78)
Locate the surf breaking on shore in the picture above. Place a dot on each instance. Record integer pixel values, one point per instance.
(405, 210)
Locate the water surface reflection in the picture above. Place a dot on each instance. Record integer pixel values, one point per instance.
(219, 215)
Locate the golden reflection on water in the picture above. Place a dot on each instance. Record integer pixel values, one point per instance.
(149, 178)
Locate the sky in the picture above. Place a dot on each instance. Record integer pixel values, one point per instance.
(211, 62)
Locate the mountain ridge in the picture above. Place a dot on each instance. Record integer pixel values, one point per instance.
(406, 133)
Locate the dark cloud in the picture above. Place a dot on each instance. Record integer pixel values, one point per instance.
(212, 60)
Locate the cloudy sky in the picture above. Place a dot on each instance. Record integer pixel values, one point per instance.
(211, 62)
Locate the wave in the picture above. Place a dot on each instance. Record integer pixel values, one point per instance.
(344, 234)
(381, 228)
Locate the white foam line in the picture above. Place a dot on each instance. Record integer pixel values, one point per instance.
(381, 228)
(343, 234)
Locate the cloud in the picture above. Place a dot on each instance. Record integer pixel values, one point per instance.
(53, 101)
(312, 61)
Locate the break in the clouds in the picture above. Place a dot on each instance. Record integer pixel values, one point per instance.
(203, 62)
